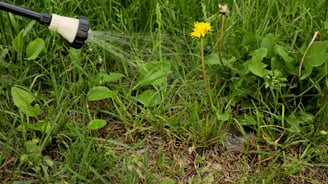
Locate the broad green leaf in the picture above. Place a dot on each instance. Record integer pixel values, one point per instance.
(29, 27)
(315, 60)
(317, 54)
(288, 61)
(283, 52)
(21, 97)
(277, 64)
(306, 72)
(33, 149)
(294, 123)
(149, 98)
(223, 117)
(48, 161)
(13, 22)
(268, 42)
(153, 73)
(96, 124)
(100, 93)
(42, 126)
(34, 48)
(247, 120)
(213, 59)
(259, 54)
(297, 120)
(154, 77)
(18, 42)
(112, 77)
(162, 65)
(256, 66)
(168, 181)
(23, 100)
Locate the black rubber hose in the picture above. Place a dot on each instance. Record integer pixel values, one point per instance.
(43, 18)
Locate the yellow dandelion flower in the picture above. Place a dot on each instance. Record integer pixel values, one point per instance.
(200, 29)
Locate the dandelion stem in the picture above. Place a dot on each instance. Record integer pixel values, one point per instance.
(220, 40)
(204, 70)
(316, 34)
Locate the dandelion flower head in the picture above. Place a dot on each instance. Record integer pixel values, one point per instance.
(200, 29)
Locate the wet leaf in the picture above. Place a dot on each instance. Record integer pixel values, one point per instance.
(153, 73)
(100, 93)
(34, 48)
(223, 116)
(283, 52)
(112, 77)
(18, 42)
(316, 56)
(287, 62)
(149, 98)
(213, 59)
(96, 124)
(256, 66)
(268, 42)
(168, 181)
(247, 120)
(23, 99)
(42, 126)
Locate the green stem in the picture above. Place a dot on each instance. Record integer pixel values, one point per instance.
(204, 70)
(220, 40)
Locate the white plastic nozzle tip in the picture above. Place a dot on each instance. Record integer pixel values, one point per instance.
(65, 26)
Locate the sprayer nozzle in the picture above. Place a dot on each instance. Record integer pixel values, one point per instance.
(73, 30)
(82, 32)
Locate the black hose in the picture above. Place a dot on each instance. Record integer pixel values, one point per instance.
(43, 18)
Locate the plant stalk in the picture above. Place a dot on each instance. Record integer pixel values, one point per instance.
(204, 70)
(220, 40)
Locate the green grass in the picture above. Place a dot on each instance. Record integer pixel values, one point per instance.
(159, 126)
